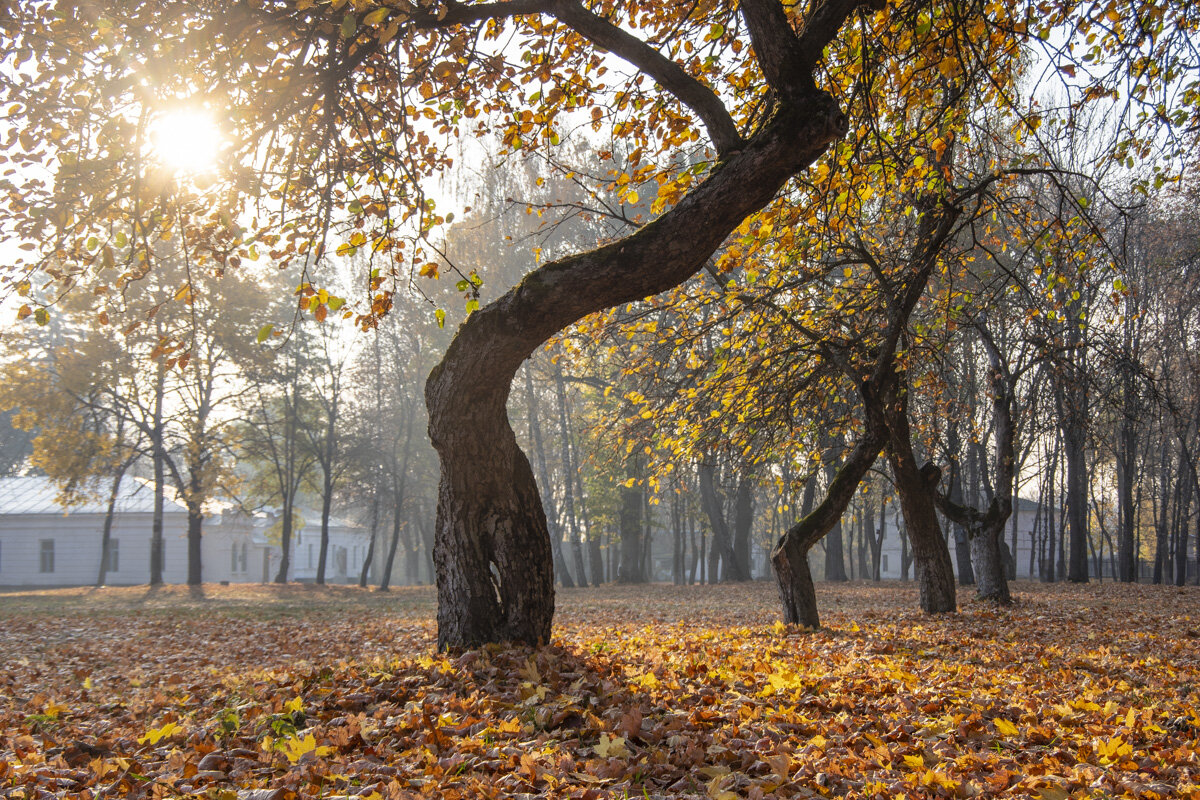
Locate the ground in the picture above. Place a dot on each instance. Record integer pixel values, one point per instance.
(268, 693)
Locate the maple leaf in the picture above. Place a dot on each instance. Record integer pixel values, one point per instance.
(155, 735)
(611, 746)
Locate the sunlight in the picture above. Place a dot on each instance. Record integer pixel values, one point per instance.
(186, 140)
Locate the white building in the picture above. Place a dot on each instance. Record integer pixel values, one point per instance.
(43, 543)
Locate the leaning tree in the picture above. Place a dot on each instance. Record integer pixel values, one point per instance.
(340, 116)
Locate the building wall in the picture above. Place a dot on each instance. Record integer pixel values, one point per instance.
(233, 548)
(76, 542)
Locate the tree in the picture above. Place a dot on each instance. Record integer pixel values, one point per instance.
(342, 109)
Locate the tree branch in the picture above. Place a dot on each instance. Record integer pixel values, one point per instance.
(667, 73)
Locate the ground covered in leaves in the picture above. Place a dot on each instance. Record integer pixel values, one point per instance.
(270, 693)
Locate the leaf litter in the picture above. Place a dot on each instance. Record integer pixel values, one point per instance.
(269, 693)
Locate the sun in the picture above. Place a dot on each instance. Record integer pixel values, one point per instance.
(186, 140)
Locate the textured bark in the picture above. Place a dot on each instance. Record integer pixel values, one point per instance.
(934, 571)
(985, 529)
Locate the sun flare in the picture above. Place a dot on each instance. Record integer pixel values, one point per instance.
(186, 140)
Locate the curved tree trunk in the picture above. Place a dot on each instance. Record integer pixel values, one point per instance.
(492, 552)
(790, 554)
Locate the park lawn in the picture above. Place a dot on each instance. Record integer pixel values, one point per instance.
(267, 693)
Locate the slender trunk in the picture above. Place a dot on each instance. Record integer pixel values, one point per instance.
(366, 565)
(743, 519)
(630, 569)
(539, 452)
(962, 547)
(835, 556)
(195, 527)
(790, 554)
(285, 542)
(569, 469)
(158, 456)
(106, 531)
(1077, 494)
(399, 485)
(385, 582)
(326, 507)
(714, 508)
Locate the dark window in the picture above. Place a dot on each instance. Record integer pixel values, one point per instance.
(46, 556)
(114, 555)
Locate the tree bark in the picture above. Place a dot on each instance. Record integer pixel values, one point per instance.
(743, 519)
(934, 571)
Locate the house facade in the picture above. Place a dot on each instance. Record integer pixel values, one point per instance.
(44, 543)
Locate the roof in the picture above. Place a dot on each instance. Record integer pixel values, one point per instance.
(40, 495)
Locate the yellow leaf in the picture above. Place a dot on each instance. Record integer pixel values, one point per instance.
(155, 735)
(1005, 727)
(916, 762)
(294, 705)
(295, 748)
(611, 746)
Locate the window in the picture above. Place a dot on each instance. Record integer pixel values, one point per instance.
(242, 560)
(46, 555)
(883, 563)
(310, 555)
(114, 555)
(233, 557)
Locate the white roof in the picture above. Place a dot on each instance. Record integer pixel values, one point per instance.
(40, 495)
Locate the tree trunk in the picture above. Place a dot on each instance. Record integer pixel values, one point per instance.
(285, 542)
(569, 476)
(790, 554)
(193, 500)
(722, 545)
(366, 565)
(934, 571)
(158, 456)
(743, 519)
(835, 556)
(539, 452)
(326, 506)
(988, 558)
(630, 568)
(1077, 496)
(385, 582)
(489, 512)
(106, 531)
